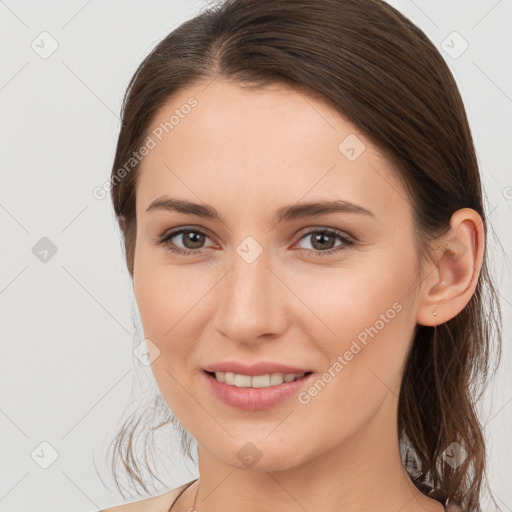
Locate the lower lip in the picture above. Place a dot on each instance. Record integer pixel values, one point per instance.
(255, 399)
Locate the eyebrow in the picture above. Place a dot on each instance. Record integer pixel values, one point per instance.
(284, 214)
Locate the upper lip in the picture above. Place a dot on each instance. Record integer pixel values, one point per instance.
(259, 368)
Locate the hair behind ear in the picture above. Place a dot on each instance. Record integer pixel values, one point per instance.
(122, 223)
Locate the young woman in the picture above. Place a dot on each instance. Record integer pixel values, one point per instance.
(301, 208)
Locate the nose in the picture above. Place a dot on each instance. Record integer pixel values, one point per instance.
(252, 301)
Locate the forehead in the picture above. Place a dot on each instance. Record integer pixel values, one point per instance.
(230, 146)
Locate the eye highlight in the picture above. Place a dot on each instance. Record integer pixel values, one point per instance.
(199, 236)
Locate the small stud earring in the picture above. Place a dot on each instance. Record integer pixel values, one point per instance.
(435, 313)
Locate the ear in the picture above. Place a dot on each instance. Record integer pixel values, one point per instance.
(451, 282)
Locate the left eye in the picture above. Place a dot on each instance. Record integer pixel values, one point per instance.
(323, 238)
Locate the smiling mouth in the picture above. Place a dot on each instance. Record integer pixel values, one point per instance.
(270, 380)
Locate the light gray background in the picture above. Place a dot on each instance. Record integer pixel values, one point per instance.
(67, 370)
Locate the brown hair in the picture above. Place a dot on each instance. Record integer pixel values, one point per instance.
(383, 74)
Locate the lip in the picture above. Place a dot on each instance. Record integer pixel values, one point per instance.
(259, 368)
(255, 399)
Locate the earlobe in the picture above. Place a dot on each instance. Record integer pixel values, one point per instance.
(450, 284)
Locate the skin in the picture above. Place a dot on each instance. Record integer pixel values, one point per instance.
(248, 153)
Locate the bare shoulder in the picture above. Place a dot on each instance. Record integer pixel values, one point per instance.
(160, 503)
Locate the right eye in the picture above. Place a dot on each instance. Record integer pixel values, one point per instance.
(193, 236)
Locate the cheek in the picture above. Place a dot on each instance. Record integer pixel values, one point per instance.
(165, 302)
(170, 300)
(161, 292)
(151, 301)
(363, 360)
(341, 303)
(363, 314)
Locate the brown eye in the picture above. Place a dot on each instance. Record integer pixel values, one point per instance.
(323, 240)
(192, 240)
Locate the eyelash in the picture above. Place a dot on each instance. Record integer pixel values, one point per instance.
(347, 242)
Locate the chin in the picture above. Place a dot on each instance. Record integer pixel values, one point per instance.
(261, 455)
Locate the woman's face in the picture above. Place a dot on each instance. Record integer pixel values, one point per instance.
(258, 288)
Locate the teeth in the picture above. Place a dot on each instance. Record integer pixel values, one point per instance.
(257, 381)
